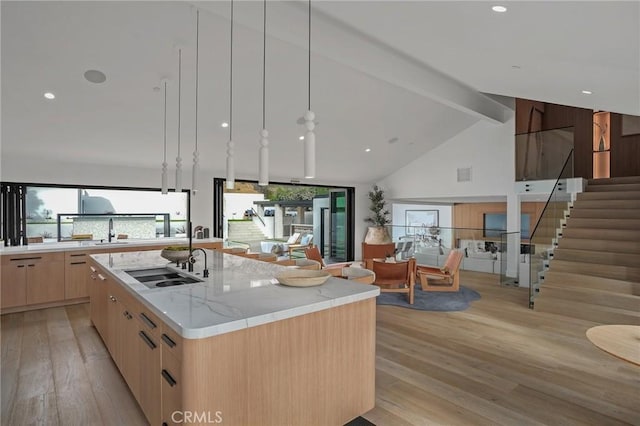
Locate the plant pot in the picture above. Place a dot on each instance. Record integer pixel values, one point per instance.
(377, 235)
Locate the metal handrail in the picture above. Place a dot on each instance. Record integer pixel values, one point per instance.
(258, 216)
(535, 228)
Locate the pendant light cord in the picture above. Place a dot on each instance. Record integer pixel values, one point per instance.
(197, 67)
(179, 94)
(264, 59)
(165, 121)
(231, 79)
(309, 75)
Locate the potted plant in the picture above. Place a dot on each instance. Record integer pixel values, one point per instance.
(377, 233)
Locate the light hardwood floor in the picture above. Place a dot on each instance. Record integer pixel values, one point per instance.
(495, 363)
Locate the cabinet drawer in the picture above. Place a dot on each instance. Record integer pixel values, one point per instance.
(149, 321)
(171, 342)
(171, 389)
(8, 259)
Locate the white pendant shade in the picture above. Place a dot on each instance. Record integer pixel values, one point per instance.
(178, 174)
(165, 183)
(263, 162)
(194, 172)
(309, 146)
(231, 168)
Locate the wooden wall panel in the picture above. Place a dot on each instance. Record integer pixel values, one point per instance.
(559, 116)
(471, 216)
(625, 150)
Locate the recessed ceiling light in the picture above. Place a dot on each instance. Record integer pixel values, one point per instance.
(95, 76)
(587, 92)
(367, 150)
(499, 9)
(49, 95)
(301, 138)
(225, 124)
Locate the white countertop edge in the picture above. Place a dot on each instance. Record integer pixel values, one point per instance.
(215, 330)
(93, 245)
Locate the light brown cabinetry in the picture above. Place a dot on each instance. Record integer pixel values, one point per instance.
(293, 371)
(75, 271)
(149, 364)
(32, 279)
(99, 307)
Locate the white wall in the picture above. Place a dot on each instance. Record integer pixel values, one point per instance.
(487, 148)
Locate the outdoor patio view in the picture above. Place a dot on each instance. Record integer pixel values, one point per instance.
(284, 219)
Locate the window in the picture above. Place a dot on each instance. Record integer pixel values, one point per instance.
(60, 213)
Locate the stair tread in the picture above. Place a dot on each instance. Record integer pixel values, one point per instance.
(610, 246)
(592, 281)
(624, 273)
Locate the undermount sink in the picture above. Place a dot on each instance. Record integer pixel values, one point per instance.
(161, 277)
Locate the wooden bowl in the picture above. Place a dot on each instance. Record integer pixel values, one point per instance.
(302, 277)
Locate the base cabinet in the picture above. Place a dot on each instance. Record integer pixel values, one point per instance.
(149, 392)
(32, 279)
(294, 371)
(75, 272)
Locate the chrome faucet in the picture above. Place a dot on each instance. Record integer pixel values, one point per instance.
(111, 233)
(192, 260)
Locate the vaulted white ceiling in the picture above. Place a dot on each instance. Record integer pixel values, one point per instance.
(414, 72)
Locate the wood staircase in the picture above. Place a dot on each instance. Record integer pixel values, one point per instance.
(594, 273)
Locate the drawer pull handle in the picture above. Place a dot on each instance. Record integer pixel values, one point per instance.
(31, 265)
(24, 258)
(78, 255)
(92, 269)
(78, 263)
(168, 341)
(102, 277)
(147, 340)
(113, 298)
(147, 321)
(20, 266)
(172, 382)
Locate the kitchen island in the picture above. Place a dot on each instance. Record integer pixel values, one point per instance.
(237, 348)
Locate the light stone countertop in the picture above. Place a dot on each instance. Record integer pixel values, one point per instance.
(88, 245)
(239, 293)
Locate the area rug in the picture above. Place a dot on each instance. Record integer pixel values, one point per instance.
(432, 300)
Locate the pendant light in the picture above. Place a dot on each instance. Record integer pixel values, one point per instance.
(231, 172)
(165, 185)
(178, 159)
(196, 154)
(263, 159)
(309, 116)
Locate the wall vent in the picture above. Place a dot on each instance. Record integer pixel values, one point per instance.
(464, 174)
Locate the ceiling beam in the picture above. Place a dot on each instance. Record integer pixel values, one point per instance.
(335, 40)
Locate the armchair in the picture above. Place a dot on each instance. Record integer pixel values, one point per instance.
(305, 241)
(447, 278)
(394, 277)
